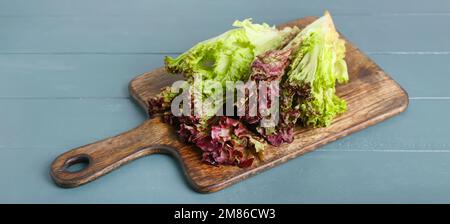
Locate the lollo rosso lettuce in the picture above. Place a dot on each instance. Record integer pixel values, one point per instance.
(270, 66)
(315, 62)
(224, 141)
(307, 64)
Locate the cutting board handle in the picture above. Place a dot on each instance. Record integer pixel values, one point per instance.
(106, 155)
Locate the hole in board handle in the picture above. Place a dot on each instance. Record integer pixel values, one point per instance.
(77, 164)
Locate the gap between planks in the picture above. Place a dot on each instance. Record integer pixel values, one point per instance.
(355, 14)
(177, 53)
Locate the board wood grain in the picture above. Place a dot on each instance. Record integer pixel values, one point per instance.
(372, 97)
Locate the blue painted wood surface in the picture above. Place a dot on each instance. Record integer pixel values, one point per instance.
(65, 66)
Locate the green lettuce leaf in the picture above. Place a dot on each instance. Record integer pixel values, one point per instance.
(318, 62)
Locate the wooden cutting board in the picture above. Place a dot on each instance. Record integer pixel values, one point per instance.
(372, 97)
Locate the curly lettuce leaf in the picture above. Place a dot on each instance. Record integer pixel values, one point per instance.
(318, 62)
(161, 102)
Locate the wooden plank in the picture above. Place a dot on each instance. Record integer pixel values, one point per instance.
(214, 8)
(70, 76)
(398, 177)
(319, 177)
(125, 34)
(63, 123)
(420, 75)
(423, 127)
(67, 123)
(73, 76)
(371, 96)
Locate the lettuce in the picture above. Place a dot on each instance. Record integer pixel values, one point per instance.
(308, 67)
(228, 57)
(161, 102)
(307, 63)
(318, 62)
(224, 141)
